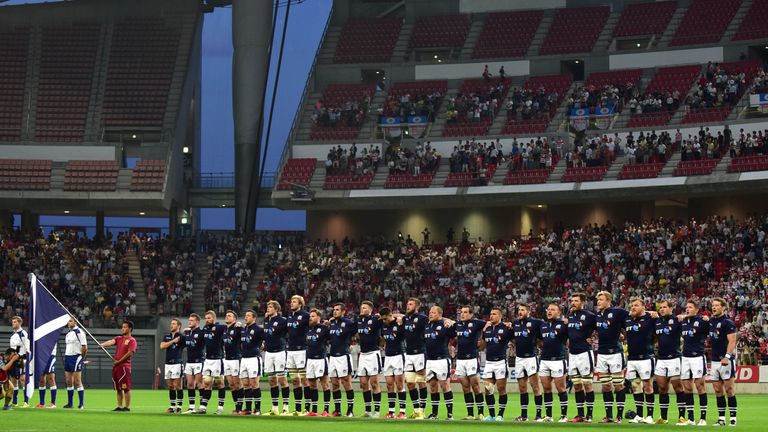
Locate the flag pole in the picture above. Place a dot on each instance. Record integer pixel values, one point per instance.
(31, 275)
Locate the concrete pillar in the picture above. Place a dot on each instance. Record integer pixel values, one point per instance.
(100, 225)
(6, 220)
(30, 222)
(173, 220)
(251, 30)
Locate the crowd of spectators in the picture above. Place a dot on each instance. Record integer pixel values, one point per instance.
(592, 151)
(341, 161)
(718, 87)
(349, 113)
(654, 102)
(422, 159)
(417, 104)
(524, 104)
(476, 106)
(232, 260)
(478, 158)
(607, 96)
(650, 147)
(168, 271)
(534, 154)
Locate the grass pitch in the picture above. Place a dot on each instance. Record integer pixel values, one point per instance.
(148, 406)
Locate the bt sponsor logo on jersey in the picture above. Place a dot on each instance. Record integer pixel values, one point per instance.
(665, 331)
(523, 333)
(633, 328)
(465, 333)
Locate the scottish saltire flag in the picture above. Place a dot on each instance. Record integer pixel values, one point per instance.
(48, 317)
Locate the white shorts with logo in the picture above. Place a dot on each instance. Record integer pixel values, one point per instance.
(193, 369)
(495, 370)
(340, 366)
(415, 362)
(316, 368)
(394, 365)
(274, 362)
(173, 371)
(581, 365)
(610, 363)
(467, 367)
(213, 368)
(693, 367)
(438, 369)
(718, 372)
(369, 364)
(232, 368)
(642, 369)
(250, 367)
(553, 368)
(296, 360)
(667, 367)
(526, 367)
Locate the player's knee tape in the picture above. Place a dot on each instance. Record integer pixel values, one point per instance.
(420, 378)
(410, 377)
(207, 379)
(617, 378)
(297, 373)
(605, 379)
(576, 380)
(490, 388)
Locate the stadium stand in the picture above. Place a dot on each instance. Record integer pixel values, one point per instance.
(411, 168)
(443, 31)
(67, 60)
(705, 22)
(721, 86)
(753, 26)
(473, 109)
(603, 89)
(297, 171)
(14, 46)
(507, 34)
(87, 175)
(748, 163)
(148, 176)
(340, 112)
(575, 30)
(368, 40)
(584, 174)
(415, 98)
(695, 167)
(168, 273)
(640, 171)
(529, 109)
(17, 174)
(662, 96)
(645, 19)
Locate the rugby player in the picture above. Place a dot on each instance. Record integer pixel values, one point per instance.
(639, 328)
(526, 332)
(275, 357)
(250, 364)
(693, 367)
(213, 366)
(496, 337)
(193, 369)
(11, 362)
(317, 363)
(173, 344)
(369, 363)
(394, 363)
(75, 350)
(437, 372)
(581, 325)
(667, 371)
(722, 340)
(296, 362)
(20, 344)
(415, 361)
(554, 334)
(232, 355)
(610, 355)
(468, 331)
(341, 330)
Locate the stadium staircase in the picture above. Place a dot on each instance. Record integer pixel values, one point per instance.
(541, 33)
(372, 118)
(561, 113)
(202, 274)
(558, 171)
(606, 36)
(328, 52)
(134, 271)
(472, 37)
(179, 70)
(31, 88)
(305, 125)
(438, 125)
(318, 177)
(738, 18)
(615, 168)
(401, 51)
(441, 175)
(93, 120)
(674, 23)
(380, 177)
(669, 168)
(740, 107)
(501, 117)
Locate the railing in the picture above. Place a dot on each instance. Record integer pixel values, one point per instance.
(226, 180)
(300, 108)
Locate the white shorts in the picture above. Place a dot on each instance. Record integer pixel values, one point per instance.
(415, 362)
(316, 368)
(526, 367)
(173, 371)
(719, 372)
(467, 367)
(553, 368)
(610, 363)
(274, 362)
(642, 369)
(581, 365)
(296, 360)
(339, 366)
(250, 367)
(193, 369)
(369, 364)
(693, 367)
(394, 365)
(668, 367)
(213, 368)
(232, 368)
(438, 369)
(495, 370)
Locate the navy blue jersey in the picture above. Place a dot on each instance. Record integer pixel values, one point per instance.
(414, 332)
(719, 329)
(214, 340)
(695, 331)
(316, 340)
(195, 345)
(581, 325)
(668, 334)
(610, 322)
(467, 334)
(436, 338)
(297, 330)
(639, 332)
(393, 338)
(251, 338)
(232, 340)
(274, 333)
(173, 352)
(554, 335)
(526, 333)
(497, 338)
(368, 332)
(341, 332)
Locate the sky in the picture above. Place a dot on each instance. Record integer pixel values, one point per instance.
(305, 26)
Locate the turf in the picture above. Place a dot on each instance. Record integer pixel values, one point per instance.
(148, 406)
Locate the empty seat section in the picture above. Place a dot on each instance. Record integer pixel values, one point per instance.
(20, 174)
(142, 60)
(695, 167)
(368, 40)
(521, 117)
(584, 174)
(575, 30)
(748, 163)
(148, 176)
(91, 176)
(705, 22)
(645, 19)
(444, 31)
(67, 60)
(527, 176)
(461, 111)
(404, 181)
(335, 115)
(14, 47)
(297, 171)
(753, 26)
(347, 181)
(640, 171)
(507, 34)
(466, 179)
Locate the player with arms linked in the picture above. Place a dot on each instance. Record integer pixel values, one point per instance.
(722, 339)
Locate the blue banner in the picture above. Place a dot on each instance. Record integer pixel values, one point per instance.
(604, 111)
(417, 120)
(579, 112)
(389, 121)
